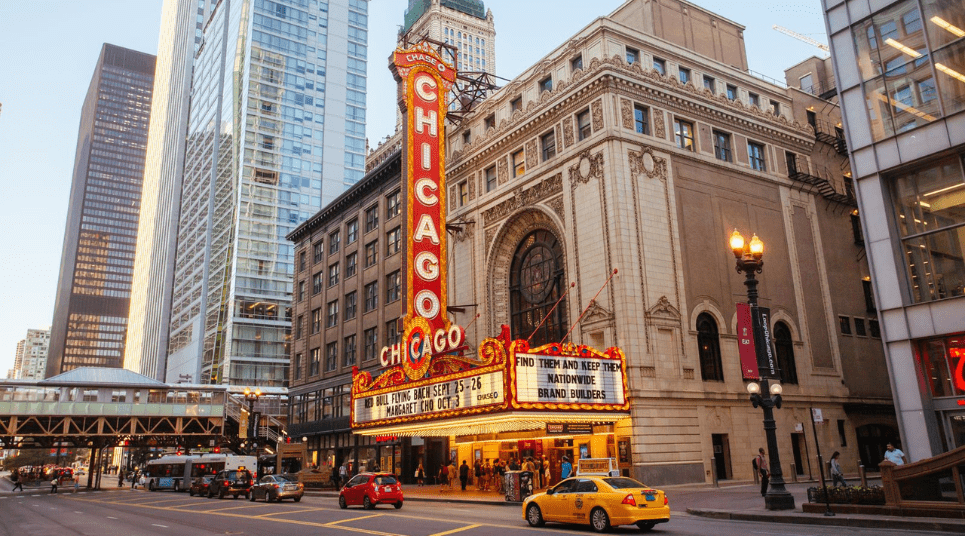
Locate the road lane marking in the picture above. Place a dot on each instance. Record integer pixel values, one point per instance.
(453, 531)
(156, 525)
(76, 512)
(333, 523)
(111, 517)
(289, 512)
(231, 508)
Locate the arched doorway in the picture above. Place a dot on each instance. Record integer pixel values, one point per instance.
(536, 281)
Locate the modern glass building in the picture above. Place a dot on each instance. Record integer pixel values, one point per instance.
(94, 287)
(276, 130)
(900, 71)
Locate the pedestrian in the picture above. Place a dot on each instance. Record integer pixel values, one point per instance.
(451, 473)
(565, 468)
(463, 475)
(760, 463)
(120, 478)
(547, 475)
(134, 477)
(342, 475)
(54, 483)
(836, 474)
(76, 481)
(420, 475)
(895, 456)
(443, 476)
(17, 480)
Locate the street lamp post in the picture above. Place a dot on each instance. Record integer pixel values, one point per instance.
(763, 393)
(251, 397)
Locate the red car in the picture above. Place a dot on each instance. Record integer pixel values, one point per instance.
(370, 489)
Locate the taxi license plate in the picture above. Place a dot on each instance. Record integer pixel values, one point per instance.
(289, 487)
(651, 497)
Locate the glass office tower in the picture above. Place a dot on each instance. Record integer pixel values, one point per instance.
(276, 130)
(94, 287)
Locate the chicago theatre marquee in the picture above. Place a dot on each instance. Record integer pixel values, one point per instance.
(504, 399)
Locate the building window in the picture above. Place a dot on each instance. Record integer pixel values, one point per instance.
(351, 305)
(683, 75)
(490, 121)
(845, 323)
(784, 348)
(755, 155)
(722, 146)
(332, 319)
(392, 205)
(731, 92)
(331, 355)
(393, 286)
(842, 438)
(807, 83)
(301, 290)
(754, 99)
(391, 332)
(370, 341)
(929, 209)
(546, 84)
(317, 283)
(318, 251)
(874, 328)
(775, 107)
(333, 243)
(547, 144)
(515, 105)
(466, 137)
(316, 320)
(298, 327)
(462, 194)
(641, 119)
(333, 275)
(301, 261)
(313, 365)
(633, 55)
(710, 84)
(297, 367)
(490, 178)
(371, 296)
(393, 241)
(519, 163)
(660, 66)
(708, 348)
(869, 296)
(859, 328)
(684, 134)
(583, 127)
(351, 263)
(371, 253)
(371, 218)
(351, 231)
(348, 351)
(576, 64)
(856, 227)
(537, 280)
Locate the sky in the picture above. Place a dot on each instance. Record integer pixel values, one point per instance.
(48, 50)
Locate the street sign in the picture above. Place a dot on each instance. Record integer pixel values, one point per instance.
(745, 342)
(818, 417)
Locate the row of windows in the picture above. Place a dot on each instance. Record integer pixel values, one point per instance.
(708, 350)
(393, 208)
(863, 327)
(370, 350)
(393, 288)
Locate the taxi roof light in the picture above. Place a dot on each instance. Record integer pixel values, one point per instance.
(630, 500)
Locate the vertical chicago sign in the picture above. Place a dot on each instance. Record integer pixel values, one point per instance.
(425, 80)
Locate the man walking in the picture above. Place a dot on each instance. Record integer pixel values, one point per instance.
(895, 456)
(463, 475)
(17, 480)
(762, 469)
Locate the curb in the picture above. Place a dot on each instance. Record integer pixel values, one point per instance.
(838, 520)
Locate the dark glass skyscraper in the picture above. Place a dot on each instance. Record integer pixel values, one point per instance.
(94, 287)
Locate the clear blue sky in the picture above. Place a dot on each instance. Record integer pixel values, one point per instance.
(49, 48)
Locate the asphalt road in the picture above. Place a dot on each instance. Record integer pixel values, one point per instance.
(127, 513)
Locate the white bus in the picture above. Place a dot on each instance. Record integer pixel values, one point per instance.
(167, 472)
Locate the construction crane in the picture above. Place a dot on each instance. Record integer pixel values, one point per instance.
(803, 38)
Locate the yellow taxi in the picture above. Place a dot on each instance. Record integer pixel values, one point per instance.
(598, 501)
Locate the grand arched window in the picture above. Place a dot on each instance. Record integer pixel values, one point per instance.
(536, 281)
(708, 347)
(784, 348)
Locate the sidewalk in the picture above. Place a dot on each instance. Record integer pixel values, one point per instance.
(737, 501)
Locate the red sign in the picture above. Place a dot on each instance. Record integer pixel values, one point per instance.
(426, 80)
(745, 342)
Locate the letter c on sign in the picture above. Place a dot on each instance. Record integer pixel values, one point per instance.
(423, 185)
(420, 87)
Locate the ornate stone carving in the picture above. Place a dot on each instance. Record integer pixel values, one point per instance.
(688, 373)
(464, 231)
(502, 171)
(490, 235)
(588, 166)
(664, 309)
(558, 135)
(659, 129)
(596, 111)
(595, 314)
(523, 198)
(532, 154)
(645, 163)
(557, 205)
(568, 131)
(626, 113)
(648, 372)
(472, 187)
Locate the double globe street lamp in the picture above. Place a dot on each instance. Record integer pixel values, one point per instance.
(763, 394)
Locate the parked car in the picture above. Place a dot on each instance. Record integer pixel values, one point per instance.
(600, 502)
(200, 485)
(278, 487)
(371, 489)
(232, 482)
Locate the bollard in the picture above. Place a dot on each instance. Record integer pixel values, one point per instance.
(864, 477)
(713, 472)
(794, 472)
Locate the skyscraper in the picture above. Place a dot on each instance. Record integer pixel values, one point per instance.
(276, 130)
(465, 24)
(32, 358)
(182, 22)
(94, 287)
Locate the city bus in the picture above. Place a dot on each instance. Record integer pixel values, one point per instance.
(167, 472)
(210, 464)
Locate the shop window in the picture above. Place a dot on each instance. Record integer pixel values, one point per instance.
(537, 279)
(940, 361)
(784, 348)
(708, 348)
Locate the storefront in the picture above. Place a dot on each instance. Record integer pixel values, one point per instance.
(941, 368)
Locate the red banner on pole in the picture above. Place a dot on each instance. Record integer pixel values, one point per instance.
(745, 342)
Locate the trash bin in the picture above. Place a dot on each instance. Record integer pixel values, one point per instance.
(519, 485)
